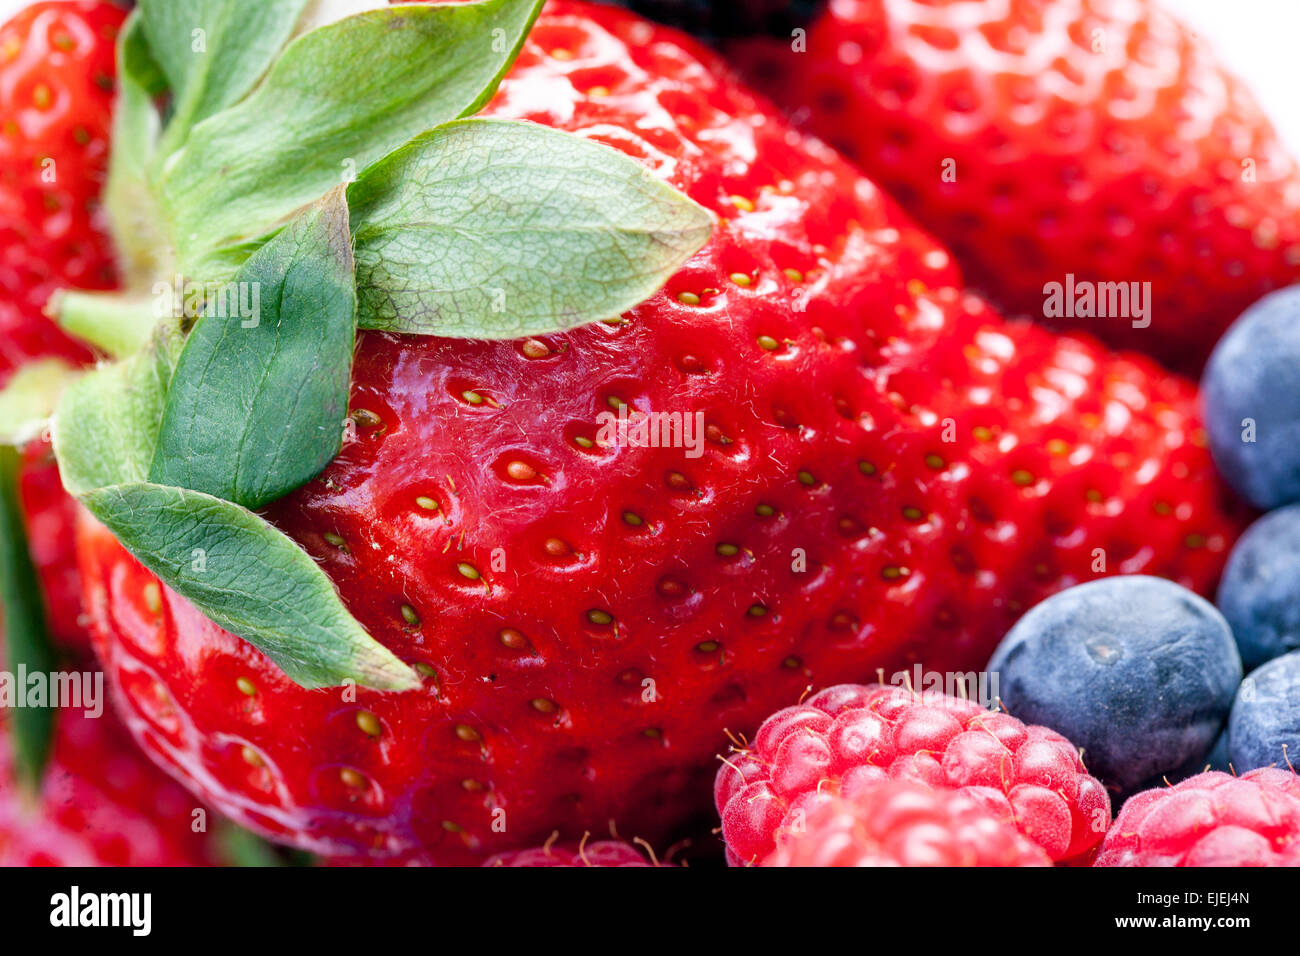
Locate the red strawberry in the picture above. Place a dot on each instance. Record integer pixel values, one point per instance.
(890, 472)
(1212, 819)
(101, 804)
(56, 94)
(846, 739)
(1045, 138)
(601, 853)
(899, 823)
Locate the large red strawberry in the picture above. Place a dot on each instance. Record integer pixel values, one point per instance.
(1058, 141)
(101, 803)
(888, 472)
(56, 92)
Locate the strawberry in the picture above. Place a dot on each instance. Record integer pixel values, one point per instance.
(101, 803)
(888, 472)
(1058, 141)
(56, 90)
(599, 853)
(56, 93)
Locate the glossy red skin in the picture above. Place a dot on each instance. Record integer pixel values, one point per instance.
(1212, 819)
(1117, 166)
(886, 334)
(51, 518)
(840, 745)
(601, 853)
(56, 97)
(101, 803)
(898, 823)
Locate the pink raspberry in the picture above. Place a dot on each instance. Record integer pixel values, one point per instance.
(1212, 819)
(900, 823)
(848, 737)
(600, 853)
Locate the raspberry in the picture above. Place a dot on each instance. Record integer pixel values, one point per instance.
(900, 823)
(601, 853)
(849, 737)
(1212, 819)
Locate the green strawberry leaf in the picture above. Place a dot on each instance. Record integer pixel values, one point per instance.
(132, 209)
(213, 52)
(339, 98)
(249, 578)
(257, 401)
(106, 426)
(23, 624)
(496, 229)
(29, 398)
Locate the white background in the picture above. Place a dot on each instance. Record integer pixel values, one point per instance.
(1257, 38)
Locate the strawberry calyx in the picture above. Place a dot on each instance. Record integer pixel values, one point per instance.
(268, 200)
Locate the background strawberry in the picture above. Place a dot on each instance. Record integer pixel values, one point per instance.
(56, 93)
(599, 853)
(890, 473)
(101, 803)
(1103, 141)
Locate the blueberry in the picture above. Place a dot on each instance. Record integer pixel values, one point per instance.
(1264, 728)
(1135, 670)
(1251, 392)
(1260, 591)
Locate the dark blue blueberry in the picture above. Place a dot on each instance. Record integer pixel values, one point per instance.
(1264, 728)
(1260, 591)
(1251, 392)
(1136, 671)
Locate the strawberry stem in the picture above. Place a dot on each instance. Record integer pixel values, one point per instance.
(113, 323)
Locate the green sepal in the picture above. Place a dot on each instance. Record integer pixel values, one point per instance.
(29, 398)
(257, 402)
(22, 623)
(213, 52)
(105, 428)
(249, 578)
(497, 229)
(139, 234)
(338, 98)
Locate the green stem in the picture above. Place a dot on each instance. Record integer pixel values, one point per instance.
(110, 321)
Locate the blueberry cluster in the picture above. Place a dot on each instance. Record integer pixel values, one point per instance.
(1145, 676)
